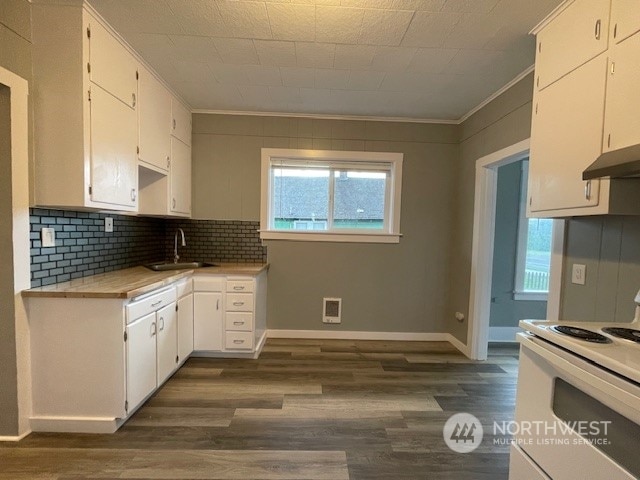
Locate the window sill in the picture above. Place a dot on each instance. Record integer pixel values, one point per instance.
(531, 296)
(349, 237)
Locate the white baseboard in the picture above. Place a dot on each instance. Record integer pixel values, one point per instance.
(503, 334)
(75, 424)
(16, 438)
(462, 348)
(358, 335)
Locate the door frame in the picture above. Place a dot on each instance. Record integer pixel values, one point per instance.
(19, 95)
(484, 219)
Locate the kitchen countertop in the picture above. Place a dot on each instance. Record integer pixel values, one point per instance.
(132, 282)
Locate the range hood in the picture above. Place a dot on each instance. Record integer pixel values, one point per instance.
(624, 162)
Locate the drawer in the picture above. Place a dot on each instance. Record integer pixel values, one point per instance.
(238, 341)
(239, 321)
(149, 304)
(184, 287)
(240, 286)
(239, 302)
(206, 283)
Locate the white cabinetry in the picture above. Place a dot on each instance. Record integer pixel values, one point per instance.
(621, 118)
(154, 122)
(208, 313)
(167, 338)
(180, 178)
(625, 20)
(85, 119)
(568, 120)
(181, 122)
(185, 319)
(229, 314)
(141, 358)
(582, 29)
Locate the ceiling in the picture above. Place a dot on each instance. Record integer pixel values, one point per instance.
(417, 59)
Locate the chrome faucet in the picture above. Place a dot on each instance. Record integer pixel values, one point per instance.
(176, 257)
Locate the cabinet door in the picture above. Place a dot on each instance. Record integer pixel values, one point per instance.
(167, 342)
(141, 359)
(154, 113)
(185, 326)
(207, 321)
(578, 34)
(566, 137)
(625, 18)
(622, 118)
(114, 169)
(112, 66)
(180, 178)
(181, 121)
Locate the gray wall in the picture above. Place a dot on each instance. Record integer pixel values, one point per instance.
(399, 287)
(505, 311)
(15, 55)
(610, 248)
(503, 122)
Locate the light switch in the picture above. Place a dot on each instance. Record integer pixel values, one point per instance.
(578, 274)
(108, 224)
(48, 237)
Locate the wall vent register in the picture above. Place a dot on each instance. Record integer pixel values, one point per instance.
(332, 310)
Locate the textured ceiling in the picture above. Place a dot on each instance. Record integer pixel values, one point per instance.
(421, 59)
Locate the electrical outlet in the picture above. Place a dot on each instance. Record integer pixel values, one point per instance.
(108, 224)
(48, 237)
(578, 274)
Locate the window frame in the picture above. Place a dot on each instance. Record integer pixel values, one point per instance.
(336, 159)
(521, 247)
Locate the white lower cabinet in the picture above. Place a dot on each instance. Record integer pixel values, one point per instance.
(229, 314)
(141, 359)
(185, 326)
(167, 342)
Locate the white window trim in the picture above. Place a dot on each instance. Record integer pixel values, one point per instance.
(521, 249)
(392, 233)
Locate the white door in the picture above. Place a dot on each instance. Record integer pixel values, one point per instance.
(167, 342)
(180, 177)
(114, 167)
(112, 66)
(141, 359)
(621, 119)
(566, 137)
(181, 121)
(185, 326)
(207, 321)
(154, 112)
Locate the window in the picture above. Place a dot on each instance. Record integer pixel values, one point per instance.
(533, 250)
(324, 195)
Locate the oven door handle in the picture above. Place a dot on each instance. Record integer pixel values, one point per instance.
(591, 384)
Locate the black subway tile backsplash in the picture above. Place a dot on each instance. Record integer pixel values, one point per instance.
(83, 248)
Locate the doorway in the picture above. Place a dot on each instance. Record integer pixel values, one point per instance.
(484, 221)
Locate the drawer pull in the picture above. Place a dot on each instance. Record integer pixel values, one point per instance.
(155, 304)
(587, 190)
(238, 288)
(238, 342)
(238, 304)
(161, 321)
(153, 329)
(238, 323)
(597, 32)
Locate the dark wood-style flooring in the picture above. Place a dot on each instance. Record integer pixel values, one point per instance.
(305, 410)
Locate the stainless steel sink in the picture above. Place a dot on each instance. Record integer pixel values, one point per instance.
(160, 267)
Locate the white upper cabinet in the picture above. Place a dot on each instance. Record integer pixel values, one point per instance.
(112, 67)
(621, 118)
(566, 137)
(180, 178)
(180, 122)
(625, 19)
(154, 114)
(579, 33)
(114, 169)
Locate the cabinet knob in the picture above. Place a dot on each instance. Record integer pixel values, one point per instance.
(161, 321)
(153, 329)
(238, 323)
(174, 124)
(615, 30)
(133, 195)
(238, 304)
(173, 203)
(237, 287)
(587, 190)
(133, 100)
(168, 161)
(238, 342)
(598, 29)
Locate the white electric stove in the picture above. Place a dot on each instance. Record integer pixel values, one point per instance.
(578, 398)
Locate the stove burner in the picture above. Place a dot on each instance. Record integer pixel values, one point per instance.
(581, 333)
(626, 333)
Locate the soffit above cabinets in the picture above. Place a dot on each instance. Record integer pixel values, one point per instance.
(414, 59)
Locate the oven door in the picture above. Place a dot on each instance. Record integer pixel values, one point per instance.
(573, 418)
